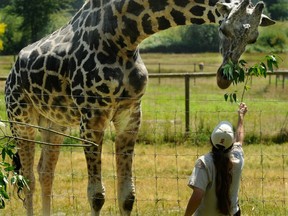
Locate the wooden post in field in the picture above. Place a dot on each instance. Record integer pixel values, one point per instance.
(187, 105)
(159, 71)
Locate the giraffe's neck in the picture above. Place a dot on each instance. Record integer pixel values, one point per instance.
(126, 23)
(134, 20)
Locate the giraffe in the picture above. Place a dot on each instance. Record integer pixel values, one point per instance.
(89, 73)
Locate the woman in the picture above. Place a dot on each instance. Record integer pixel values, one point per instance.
(215, 179)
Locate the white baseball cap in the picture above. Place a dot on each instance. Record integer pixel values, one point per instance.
(223, 135)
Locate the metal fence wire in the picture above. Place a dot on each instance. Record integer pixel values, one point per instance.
(165, 153)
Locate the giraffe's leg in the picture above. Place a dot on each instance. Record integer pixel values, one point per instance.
(47, 163)
(127, 126)
(95, 189)
(26, 151)
(93, 129)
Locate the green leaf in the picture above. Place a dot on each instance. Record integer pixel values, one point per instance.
(242, 62)
(234, 95)
(231, 98)
(226, 96)
(4, 193)
(13, 180)
(271, 62)
(228, 70)
(246, 87)
(3, 154)
(242, 75)
(9, 168)
(2, 203)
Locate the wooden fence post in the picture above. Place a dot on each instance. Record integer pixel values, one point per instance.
(187, 103)
(159, 71)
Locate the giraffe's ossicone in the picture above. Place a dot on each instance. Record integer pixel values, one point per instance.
(89, 73)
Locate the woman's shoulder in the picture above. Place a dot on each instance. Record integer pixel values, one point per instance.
(206, 159)
(237, 146)
(237, 153)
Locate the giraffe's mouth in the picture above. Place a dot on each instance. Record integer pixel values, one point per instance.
(222, 81)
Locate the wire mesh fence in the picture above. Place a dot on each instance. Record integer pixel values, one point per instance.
(165, 154)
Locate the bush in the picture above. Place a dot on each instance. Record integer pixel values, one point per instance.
(2, 30)
(273, 41)
(8, 174)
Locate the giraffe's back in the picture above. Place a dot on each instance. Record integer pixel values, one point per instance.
(63, 80)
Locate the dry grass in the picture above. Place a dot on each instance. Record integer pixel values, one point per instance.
(161, 173)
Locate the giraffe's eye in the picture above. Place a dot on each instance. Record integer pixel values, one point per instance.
(224, 30)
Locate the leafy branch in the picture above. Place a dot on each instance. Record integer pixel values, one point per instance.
(8, 175)
(242, 73)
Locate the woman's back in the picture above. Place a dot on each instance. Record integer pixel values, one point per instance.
(204, 175)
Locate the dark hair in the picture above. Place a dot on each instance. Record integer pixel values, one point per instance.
(223, 182)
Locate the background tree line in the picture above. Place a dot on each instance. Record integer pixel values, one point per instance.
(28, 21)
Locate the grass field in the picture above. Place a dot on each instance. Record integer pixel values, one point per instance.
(164, 156)
(161, 173)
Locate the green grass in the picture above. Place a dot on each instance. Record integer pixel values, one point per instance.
(164, 105)
(162, 167)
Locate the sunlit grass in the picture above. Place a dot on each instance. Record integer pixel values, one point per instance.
(161, 173)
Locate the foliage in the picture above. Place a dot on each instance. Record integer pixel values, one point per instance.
(36, 15)
(184, 39)
(28, 21)
(8, 175)
(277, 9)
(240, 72)
(273, 39)
(2, 30)
(197, 38)
(12, 37)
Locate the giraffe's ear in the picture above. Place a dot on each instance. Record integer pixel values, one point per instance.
(223, 8)
(266, 21)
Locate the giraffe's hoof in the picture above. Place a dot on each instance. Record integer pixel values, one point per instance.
(98, 201)
(128, 204)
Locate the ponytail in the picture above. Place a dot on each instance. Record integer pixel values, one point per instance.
(223, 167)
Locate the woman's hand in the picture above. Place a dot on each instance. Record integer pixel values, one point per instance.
(242, 109)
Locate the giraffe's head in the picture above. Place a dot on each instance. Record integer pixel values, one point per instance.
(238, 28)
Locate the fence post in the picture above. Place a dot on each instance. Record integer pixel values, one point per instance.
(159, 71)
(187, 104)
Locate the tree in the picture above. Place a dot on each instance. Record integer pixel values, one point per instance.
(278, 9)
(77, 4)
(4, 3)
(36, 15)
(199, 38)
(2, 30)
